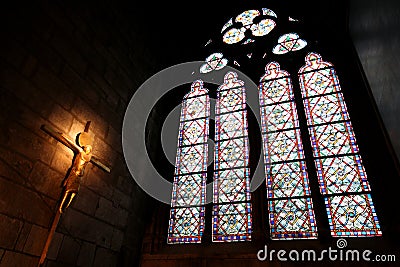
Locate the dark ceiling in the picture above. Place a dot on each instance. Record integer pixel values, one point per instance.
(178, 33)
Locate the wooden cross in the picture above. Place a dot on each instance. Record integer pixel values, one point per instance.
(82, 149)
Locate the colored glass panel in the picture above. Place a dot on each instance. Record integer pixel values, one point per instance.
(213, 62)
(248, 41)
(283, 146)
(186, 225)
(264, 27)
(288, 179)
(246, 17)
(268, 12)
(280, 117)
(289, 42)
(232, 222)
(339, 166)
(292, 219)
(352, 215)
(186, 222)
(232, 125)
(333, 139)
(326, 109)
(227, 25)
(189, 190)
(232, 208)
(291, 214)
(341, 174)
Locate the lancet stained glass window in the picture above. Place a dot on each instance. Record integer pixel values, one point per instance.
(341, 174)
(291, 214)
(232, 208)
(186, 222)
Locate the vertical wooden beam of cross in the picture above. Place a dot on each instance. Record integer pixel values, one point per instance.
(82, 149)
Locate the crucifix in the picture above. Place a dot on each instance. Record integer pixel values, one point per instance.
(82, 149)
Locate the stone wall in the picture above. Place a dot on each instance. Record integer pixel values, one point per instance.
(374, 28)
(62, 65)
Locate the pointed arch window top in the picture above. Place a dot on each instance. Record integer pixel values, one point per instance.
(231, 81)
(273, 71)
(314, 62)
(196, 89)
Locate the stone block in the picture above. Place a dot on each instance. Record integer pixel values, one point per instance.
(121, 199)
(62, 159)
(94, 59)
(97, 180)
(86, 228)
(36, 240)
(117, 240)
(45, 54)
(97, 80)
(85, 111)
(20, 164)
(76, 128)
(125, 184)
(11, 174)
(9, 237)
(23, 141)
(29, 205)
(105, 258)
(108, 114)
(61, 118)
(15, 259)
(105, 211)
(55, 246)
(70, 54)
(69, 250)
(104, 151)
(77, 83)
(46, 180)
(86, 254)
(106, 208)
(114, 139)
(54, 87)
(24, 90)
(23, 236)
(86, 201)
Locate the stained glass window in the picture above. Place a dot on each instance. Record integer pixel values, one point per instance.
(186, 222)
(289, 42)
(232, 208)
(291, 214)
(227, 25)
(248, 41)
(269, 12)
(214, 61)
(246, 18)
(341, 174)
